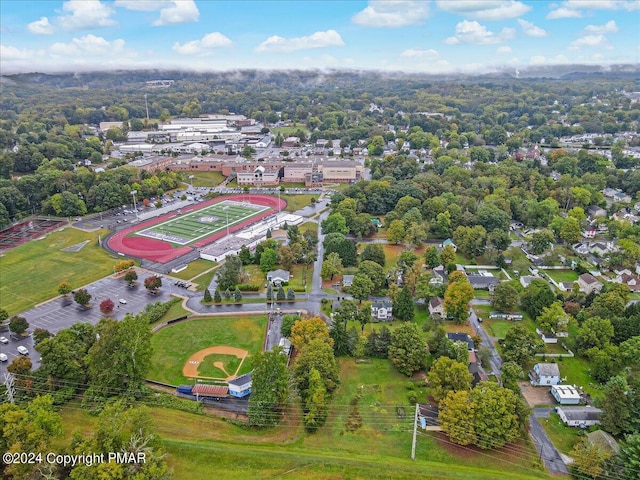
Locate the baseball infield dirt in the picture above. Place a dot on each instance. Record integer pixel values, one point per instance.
(190, 368)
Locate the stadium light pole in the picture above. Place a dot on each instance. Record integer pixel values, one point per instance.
(135, 205)
(191, 181)
(226, 211)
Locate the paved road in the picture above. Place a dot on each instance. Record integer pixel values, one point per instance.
(548, 453)
(495, 361)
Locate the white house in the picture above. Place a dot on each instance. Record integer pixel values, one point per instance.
(436, 306)
(278, 277)
(240, 386)
(544, 374)
(582, 417)
(565, 394)
(382, 311)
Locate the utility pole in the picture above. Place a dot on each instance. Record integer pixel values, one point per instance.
(146, 106)
(415, 433)
(10, 390)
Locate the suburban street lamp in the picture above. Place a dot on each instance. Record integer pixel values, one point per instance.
(226, 211)
(135, 206)
(191, 181)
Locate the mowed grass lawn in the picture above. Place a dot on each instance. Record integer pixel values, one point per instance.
(563, 275)
(296, 202)
(195, 268)
(173, 345)
(206, 179)
(31, 273)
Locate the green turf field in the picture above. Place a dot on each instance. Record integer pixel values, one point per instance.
(204, 222)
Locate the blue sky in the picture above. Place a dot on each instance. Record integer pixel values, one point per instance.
(415, 36)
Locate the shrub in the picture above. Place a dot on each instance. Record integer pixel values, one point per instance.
(248, 287)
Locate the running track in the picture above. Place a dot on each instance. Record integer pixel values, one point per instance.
(163, 252)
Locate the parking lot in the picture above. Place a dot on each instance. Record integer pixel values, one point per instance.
(60, 313)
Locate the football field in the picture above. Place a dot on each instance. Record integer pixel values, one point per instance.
(201, 223)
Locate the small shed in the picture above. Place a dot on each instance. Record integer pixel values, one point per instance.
(240, 386)
(209, 391)
(566, 394)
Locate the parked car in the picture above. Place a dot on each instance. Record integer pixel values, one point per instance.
(3, 357)
(4, 340)
(23, 350)
(122, 301)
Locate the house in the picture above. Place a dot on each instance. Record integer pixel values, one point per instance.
(347, 280)
(278, 277)
(544, 374)
(240, 386)
(581, 248)
(382, 310)
(588, 283)
(630, 280)
(526, 280)
(483, 280)
(436, 306)
(286, 346)
(448, 241)
(594, 211)
(439, 276)
(566, 394)
(462, 337)
(590, 233)
(582, 417)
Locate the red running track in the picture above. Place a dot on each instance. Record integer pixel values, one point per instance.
(163, 252)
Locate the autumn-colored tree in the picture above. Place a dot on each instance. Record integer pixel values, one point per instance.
(131, 276)
(456, 299)
(106, 306)
(447, 255)
(447, 375)
(64, 289)
(124, 265)
(305, 331)
(152, 283)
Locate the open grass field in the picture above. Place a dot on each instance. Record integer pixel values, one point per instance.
(497, 328)
(563, 275)
(195, 268)
(173, 345)
(296, 202)
(563, 437)
(201, 223)
(206, 179)
(31, 273)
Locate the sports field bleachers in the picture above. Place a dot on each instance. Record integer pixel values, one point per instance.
(191, 227)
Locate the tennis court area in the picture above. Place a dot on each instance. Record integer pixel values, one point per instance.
(191, 227)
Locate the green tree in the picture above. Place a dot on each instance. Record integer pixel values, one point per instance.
(317, 354)
(361, 287)
(408, 351)
(18, 325)
(207, 295)
(82, 297)
(589, 459)
(217, 298)
(332, 265)
(396, 231)
(520, 345)
(287, 324)
(40, 334)
(571, 231)
(448, 375)
(403, 306)
(291, 294)
(229, 272)
(536, 297)
(268, 260)
(621, 405)
(269, 389)
(541, 241)
(447, 255)
(553, 319)
(456, 417)
(511, 374)
(131, 276)
(64, 289)
(153, 283)
(316, 410)
(505, 297)
(457, 298)
(432, 257)
(237, 295)
(335, 223)
(373, 252)
(595, 332)
(630, 455)
(373, 272)
(121, 357)
(305, 331)
(280, 295)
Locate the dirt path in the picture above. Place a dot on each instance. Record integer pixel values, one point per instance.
(190, 368)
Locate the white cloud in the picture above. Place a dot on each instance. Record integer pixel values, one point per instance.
(203, 46)
(429, 54)
(477, 34)
(485, 9)
(609, 27)
(89, 46)
(572, 8)
(538, 59)
(41, 27)
(142, 5)
(563, 12)
(85, 14)
(8, 52)
(504, 49)
(531, 30)
(277, 44)
(179, 11)
(590, 41)
(392, 14)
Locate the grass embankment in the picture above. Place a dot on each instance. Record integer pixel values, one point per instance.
(296, 202)
(206, 179)
(173, 345)
(195, 268)
(31, 273)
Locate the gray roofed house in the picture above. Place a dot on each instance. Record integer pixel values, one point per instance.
(347, 280)
(436, 306)
(544, 374)
(483, 281)
(240, 386)
(588, 283)
(278, 277)
(579, 416)
(382, 310)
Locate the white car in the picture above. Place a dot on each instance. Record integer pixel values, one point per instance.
(23, 350)
(4, 340)
(122, 301)
(3, 357)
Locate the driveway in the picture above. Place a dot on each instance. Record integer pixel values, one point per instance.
(548, 453)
